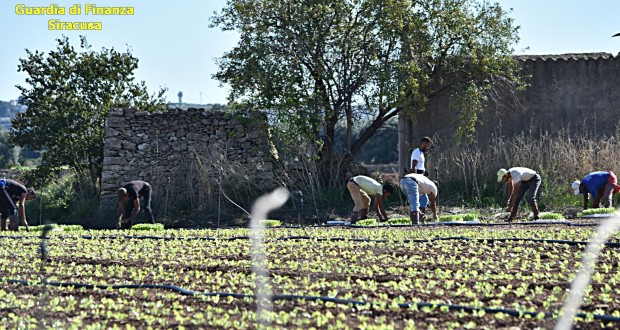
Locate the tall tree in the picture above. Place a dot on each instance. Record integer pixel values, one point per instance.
(312, 63)
(69, 95)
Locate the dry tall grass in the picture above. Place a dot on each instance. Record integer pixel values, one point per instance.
(468, 172)
(467, 175)
(220, 182)
(215, 176)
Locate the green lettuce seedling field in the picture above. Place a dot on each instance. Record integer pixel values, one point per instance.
(359, 278)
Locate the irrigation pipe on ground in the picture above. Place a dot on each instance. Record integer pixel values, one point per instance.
(606, 318)
(454, 238)
(334, 239)
(43, 250)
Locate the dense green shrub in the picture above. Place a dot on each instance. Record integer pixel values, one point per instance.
(64, 200)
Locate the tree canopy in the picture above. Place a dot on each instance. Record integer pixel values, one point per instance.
(69, 94)
(313, 63)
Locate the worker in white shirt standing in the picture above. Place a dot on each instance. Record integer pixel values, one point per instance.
(520, 180)
(418, 163)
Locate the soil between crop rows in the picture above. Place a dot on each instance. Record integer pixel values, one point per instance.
(526, 276)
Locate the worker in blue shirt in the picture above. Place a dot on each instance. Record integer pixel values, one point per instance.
(599, 185)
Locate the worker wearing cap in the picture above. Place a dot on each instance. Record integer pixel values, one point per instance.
(520, 180)
(599, 185)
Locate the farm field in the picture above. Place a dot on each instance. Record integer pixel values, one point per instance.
(410, 277)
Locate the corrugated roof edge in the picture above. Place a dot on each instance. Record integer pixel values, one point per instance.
(566, 57)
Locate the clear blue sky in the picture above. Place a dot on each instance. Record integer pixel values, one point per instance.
(177, 49)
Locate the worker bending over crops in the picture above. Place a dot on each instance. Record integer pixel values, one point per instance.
(129, 202)
(520, 180)
(415, 186)
(361, 188)
(14, 192)
(599, 185)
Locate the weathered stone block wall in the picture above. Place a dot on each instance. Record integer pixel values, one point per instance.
(178, 153)
(575, 92)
